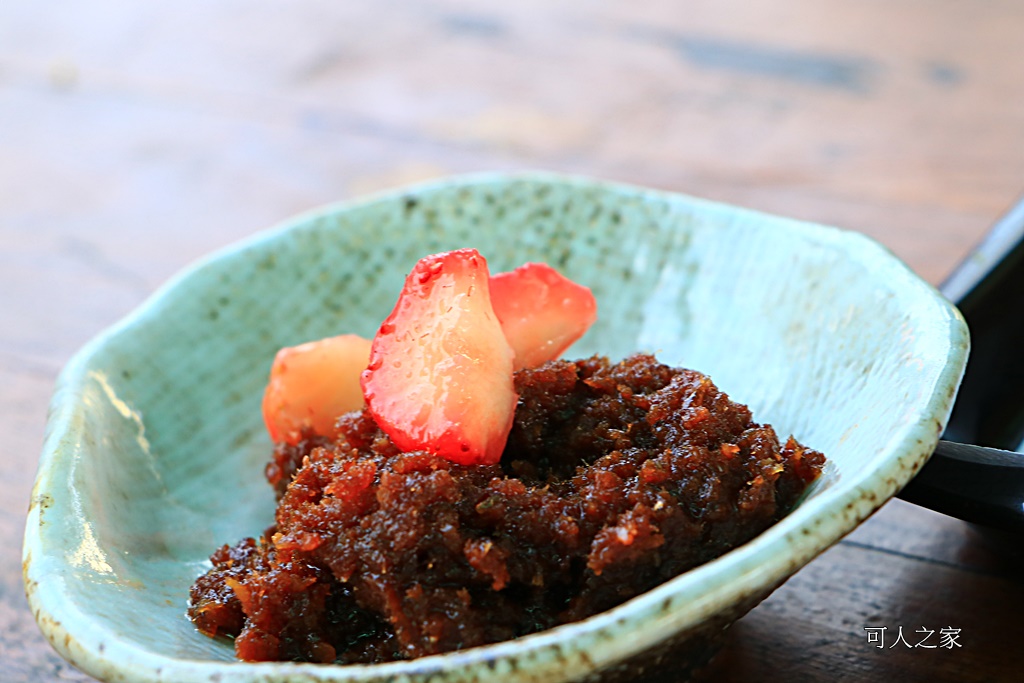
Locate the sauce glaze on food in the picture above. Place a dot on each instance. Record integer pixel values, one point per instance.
(614, 479)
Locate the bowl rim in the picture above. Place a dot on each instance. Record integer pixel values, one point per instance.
(705, 590)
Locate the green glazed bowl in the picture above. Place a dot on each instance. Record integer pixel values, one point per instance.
(155, 446)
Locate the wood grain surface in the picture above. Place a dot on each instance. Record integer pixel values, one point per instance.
(136, 137)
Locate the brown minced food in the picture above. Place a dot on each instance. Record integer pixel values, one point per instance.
(615, 478)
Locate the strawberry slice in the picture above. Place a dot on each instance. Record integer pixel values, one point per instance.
(313, 384)
(541, 311)
(440, 373)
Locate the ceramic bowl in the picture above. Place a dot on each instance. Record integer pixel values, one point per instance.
(155, 447)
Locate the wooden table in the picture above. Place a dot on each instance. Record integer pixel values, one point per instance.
(135, 137)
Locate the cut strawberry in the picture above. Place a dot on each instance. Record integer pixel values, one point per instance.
(541, 311)
(313, 384)
(440, 373)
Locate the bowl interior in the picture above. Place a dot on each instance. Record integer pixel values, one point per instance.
(156, 448)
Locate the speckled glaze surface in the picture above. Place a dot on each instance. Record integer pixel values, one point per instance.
(155, 447)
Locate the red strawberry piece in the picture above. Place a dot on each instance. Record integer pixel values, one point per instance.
(440, 373)
(541, 311)
(313, 384)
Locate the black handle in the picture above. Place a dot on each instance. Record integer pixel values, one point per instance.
(988, 288)
(976, 484)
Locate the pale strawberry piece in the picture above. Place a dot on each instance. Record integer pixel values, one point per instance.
(440, 373)
(313, 384)
(541, 311)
